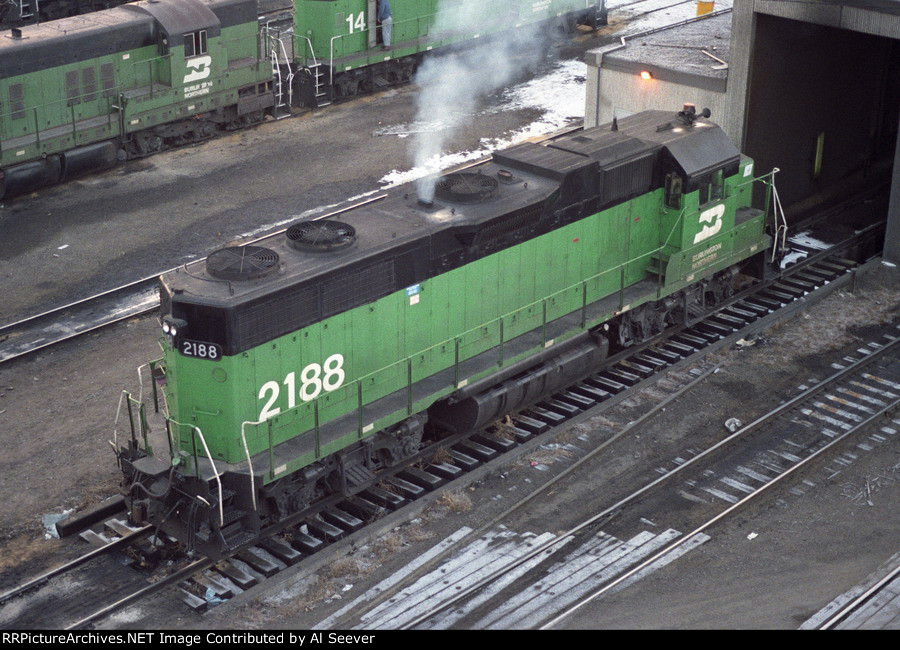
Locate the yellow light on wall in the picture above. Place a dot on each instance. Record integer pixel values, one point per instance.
(645, 74)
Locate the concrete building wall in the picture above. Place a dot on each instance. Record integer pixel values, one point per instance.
(620, 93)
(745, 99)
(799, 74)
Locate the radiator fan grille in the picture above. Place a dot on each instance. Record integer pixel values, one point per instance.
(466, 187)
(242, 263)
(320, 236)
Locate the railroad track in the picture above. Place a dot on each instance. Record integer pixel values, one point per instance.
(871, 609)
(60, 324)
(96, 584)
(126, 539)
(47, 600)
(496, 579)
(309, 534)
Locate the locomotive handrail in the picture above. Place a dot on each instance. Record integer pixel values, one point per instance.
(115, 440)
(149, 62)
(312, 52)
(129, 400)
(249, 462)
(36, 110)
(141, 381)
(777, 209)
(212, 463)
(277, 67)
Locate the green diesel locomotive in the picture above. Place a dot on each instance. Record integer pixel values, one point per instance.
(308, 362)
(81, 93)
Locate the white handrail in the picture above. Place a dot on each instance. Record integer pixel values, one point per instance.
(215, 471)
(249, 462)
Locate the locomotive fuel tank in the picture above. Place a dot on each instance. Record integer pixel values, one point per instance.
(465, 412)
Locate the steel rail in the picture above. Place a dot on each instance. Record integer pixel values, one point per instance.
(122, 541)
(762, 489)
(181, 574)
(854, 604)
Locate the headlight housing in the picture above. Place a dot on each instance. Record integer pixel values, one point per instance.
(173, 328)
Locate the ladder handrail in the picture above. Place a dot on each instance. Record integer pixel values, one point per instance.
(249, 462)
(276, 44)
(216, 474)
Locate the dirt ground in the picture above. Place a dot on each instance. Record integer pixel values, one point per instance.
(57, 414)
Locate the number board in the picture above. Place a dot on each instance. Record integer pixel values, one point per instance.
(200, 350)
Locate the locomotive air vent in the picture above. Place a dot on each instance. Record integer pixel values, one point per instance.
(242, 263)
(506, 177)
(320, 236)
(466, 187)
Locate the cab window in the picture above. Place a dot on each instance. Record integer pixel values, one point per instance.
(195, 44)
(712, 188)
(673, 190)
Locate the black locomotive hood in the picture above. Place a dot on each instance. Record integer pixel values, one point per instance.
(400, 241)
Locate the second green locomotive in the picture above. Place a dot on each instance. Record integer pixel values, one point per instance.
(81, 93)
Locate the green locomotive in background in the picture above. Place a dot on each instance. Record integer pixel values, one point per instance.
(304, 364)
(81, 93)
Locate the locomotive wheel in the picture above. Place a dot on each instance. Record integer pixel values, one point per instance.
(346, 88)
(147, 143)
(255, 117)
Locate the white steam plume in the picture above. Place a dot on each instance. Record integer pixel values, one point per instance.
(452, 84)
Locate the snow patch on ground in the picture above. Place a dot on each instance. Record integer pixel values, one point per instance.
(558, 96)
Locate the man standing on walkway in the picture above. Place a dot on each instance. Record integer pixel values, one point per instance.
(387, 23)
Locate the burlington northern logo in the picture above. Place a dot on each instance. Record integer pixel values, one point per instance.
(713, 217)
(199, 69)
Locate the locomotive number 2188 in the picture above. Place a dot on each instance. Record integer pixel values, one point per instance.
(201, 350)
(314, 378)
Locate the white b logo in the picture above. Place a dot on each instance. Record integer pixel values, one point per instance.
(200, 69)
(713, 217)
